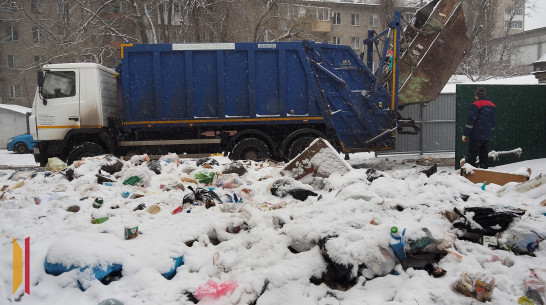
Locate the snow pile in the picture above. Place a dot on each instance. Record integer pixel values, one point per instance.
(265, 244)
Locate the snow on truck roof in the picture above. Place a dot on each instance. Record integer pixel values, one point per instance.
(16, 108)
(81, 65)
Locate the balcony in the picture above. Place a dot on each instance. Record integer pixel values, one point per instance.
(321, 26)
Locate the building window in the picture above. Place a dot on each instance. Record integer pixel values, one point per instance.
(176, 8)
(337, 18)
(12, 33)
(37, 6)
(323, 14)
(355, 43)
(511, 11)
(38, 34)
(513, 24)
(13, 61)
(15, 91)
(13, 6)
(336, 40)
(355, 19)
(374, 20)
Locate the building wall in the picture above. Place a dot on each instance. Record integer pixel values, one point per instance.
(11, 124)
(527, 47)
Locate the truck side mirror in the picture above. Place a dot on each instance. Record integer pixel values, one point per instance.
(40, 79)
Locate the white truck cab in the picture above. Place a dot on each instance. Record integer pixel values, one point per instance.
(72, 103)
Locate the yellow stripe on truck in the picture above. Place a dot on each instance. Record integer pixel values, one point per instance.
(225, 120)
(69, 126)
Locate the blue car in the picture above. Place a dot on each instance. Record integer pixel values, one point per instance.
(21, 144)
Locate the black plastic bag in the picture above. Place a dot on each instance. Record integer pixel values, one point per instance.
(486, 220)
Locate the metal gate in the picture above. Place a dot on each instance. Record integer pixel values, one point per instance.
(437, 122)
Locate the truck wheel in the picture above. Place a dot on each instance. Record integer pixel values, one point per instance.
(20, 148)
(299, 145)
(86, 149)
(250, 149)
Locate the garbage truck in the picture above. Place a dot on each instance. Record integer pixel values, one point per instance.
(262, 100)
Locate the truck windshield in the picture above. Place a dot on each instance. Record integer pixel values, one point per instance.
(59, 84)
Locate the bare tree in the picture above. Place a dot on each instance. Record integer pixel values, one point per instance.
(492, 31)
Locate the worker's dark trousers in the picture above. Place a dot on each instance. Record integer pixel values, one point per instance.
(478, 149)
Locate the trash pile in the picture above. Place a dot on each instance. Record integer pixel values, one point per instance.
(180, 231)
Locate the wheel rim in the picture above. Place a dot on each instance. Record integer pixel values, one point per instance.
(19, 149)
(251, 154)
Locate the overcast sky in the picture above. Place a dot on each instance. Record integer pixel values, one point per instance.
(537, 18)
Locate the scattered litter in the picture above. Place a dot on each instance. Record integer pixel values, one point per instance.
(170, 158)
(153, 209)
(228, 181)
(205, 177)
(73, 208)
(140, 207)
(236, 167)
(397, 243)
(214, 289)
(55, 164)
(133, 180)
(476, 285)
(139, 159)
(486, 220)
(112, 165)
(131, 232)
(523, 240)
(99, 220)
(319, 159)
(155, 166)
(189, 180)
(287, 186)
(431, 170)
(98, 202)
(206, 160)
(535, 286)
(476, 175)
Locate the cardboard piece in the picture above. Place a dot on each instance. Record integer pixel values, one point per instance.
(319, 159)
(482, 175)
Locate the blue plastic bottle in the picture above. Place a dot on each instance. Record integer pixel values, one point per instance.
(397, 244)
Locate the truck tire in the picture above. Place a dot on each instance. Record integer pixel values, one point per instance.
(20, 148)
(299, 145)
(86, 149)
(250, 149)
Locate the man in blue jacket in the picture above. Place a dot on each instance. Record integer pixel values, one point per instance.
(479, 128)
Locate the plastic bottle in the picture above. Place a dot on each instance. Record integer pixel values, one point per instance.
(397, 243)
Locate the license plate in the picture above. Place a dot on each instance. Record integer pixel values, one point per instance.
(36, 150)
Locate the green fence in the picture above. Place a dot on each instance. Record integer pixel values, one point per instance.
(521, 121)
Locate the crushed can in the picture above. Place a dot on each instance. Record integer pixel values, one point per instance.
(131, 232)
(98, 202)
(177, 210)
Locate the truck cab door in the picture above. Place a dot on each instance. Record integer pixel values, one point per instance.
(59, 108)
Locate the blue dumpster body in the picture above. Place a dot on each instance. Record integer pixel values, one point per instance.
(260, 86)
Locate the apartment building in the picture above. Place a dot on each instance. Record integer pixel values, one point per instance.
(348, 23)
(34, 32)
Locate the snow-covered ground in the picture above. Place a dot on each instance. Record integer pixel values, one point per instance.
(265, 239)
